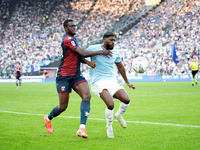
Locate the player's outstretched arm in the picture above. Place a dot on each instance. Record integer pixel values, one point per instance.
(84, 53)
(89, 63)
(122, 71)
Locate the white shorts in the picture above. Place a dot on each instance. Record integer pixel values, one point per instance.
(111, 85)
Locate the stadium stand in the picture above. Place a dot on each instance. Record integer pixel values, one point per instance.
(173, 21)
(154, 31)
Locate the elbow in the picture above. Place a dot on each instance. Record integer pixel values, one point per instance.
(82, 54)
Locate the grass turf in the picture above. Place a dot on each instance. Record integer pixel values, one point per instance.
(157, 119)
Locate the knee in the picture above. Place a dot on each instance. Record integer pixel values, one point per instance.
(86, 96)
(126, 100)
(110, 106)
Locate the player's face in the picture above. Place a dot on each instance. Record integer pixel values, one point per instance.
(17, 65)
(71, 28)
(109, 42)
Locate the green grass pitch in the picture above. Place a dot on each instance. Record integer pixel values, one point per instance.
(161, 116)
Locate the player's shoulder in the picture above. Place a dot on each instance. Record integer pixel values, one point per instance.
(64, 36)
(115, 51)
(68, 38)
(95, 47)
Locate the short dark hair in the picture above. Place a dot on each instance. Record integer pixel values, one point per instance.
(108, 34)
(66, 22)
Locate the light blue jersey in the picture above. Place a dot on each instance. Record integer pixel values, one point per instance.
(104, 66)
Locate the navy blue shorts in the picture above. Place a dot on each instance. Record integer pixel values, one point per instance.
(18, 78)
(64, 86)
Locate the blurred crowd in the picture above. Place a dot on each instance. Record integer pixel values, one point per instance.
(20, 41)
(102, 17)
(67, 9)
(5, 6)
(174, 21)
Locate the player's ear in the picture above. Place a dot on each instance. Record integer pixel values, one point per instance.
(66, 29)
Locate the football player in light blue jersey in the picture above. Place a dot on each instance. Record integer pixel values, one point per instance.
(104, 83)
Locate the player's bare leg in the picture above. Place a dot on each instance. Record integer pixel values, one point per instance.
(125, 100)
(17, 83)
(105, 95)
(83, 91)
(63, 104)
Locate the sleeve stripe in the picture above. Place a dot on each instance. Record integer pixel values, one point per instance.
(75, 48)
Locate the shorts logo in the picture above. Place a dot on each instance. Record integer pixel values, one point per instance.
(73, 43)
(63, 88)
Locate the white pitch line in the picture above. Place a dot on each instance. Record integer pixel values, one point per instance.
(141, 122)
(166, 94)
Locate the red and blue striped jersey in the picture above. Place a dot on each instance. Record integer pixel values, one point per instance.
(70, 62)
(17, 73)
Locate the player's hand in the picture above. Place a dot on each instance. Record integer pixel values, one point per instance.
(107, 53)
(92, 64)
(131, 86)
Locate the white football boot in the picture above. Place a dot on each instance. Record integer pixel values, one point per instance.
(121, 120)
(110, 132)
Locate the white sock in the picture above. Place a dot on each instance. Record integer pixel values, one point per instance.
(48, 119)
(109, 117)
(122, 108)
(82, 126)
